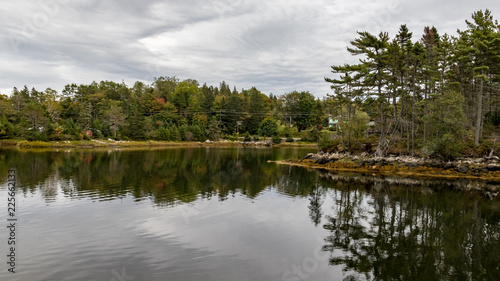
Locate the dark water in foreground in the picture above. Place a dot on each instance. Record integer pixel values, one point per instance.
(227, 214)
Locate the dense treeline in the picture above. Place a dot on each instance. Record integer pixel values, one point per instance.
(168, 109)
(438, 94)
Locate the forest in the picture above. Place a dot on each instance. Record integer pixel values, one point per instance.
(433, 94)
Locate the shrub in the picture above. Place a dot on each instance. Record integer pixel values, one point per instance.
(325, 142)
(174, 134)
(6, 129)
(276, 139)
(446, 147)
(268, 127)
(288, 134)
(198, 132)
(98, 134)
(314, 134)
(162, 134)
(247, 137)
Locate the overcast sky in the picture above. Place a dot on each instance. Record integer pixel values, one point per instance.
(276, 46)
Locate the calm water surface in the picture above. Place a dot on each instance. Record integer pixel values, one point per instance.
(227, 214)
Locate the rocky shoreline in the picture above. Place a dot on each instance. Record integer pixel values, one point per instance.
(484, 171)
(463, 165)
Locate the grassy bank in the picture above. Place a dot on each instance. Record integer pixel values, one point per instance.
(124, 144)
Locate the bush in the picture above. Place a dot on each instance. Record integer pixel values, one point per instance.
(174, 134)
(182, 132)
(288, 134)
(247, 137)
(98, 134)
(6, 129)
(446, 147)
(276, 139)
(314, 134)
(231, 137)
(162, 134)
(268, 127)
(326, 142)
(198, 132)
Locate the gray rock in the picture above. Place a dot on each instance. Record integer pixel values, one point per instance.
(333, 157)
(449, 165)
(391, 159)
(462, 169)
(321, 159)
(309, 156)
(493, 167)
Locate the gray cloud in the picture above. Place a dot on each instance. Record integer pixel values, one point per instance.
(276, 46)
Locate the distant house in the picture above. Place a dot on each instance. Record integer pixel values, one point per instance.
(40, 129)
(333, 123)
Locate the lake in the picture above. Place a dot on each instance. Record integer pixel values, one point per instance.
(227, 214)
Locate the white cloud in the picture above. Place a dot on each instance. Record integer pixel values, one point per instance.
(277, 46)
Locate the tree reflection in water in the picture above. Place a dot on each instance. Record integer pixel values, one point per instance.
(391, 232)
(378, 229)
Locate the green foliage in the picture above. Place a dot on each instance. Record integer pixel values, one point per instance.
(258, 106)
(175, 135)
(268, 127)
(247, 137)
(494, 117)
(276, 139)
(232, 137)
(6, 129)
(198, 132)
(98, 134)
(314, 134)
(447, 118)
(446, 146)
(162, 134)
(299, 106)
(135, 125)
(326, 142)
(214, 130)
(287, 132)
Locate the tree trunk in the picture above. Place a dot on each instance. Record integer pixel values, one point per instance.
(380, 152)
(413, 123)
(479, 112)
(413, 113)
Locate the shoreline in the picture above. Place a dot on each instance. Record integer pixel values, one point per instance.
(485, 170)
(91, 144)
